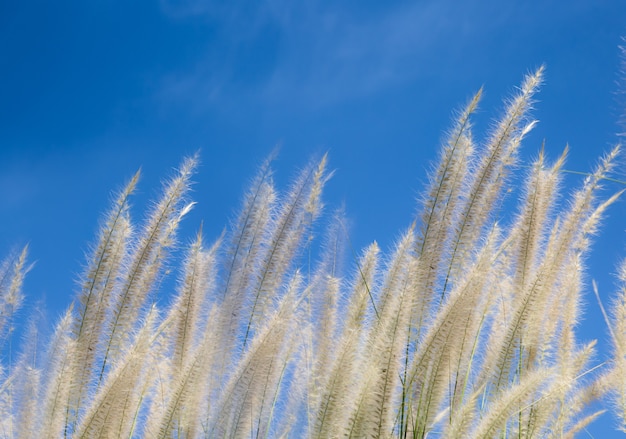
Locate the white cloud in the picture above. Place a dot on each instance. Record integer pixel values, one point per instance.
(329, 53)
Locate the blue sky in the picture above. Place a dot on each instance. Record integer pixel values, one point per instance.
(91, 91)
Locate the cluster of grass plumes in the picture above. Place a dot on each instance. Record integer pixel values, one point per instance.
(467, 328)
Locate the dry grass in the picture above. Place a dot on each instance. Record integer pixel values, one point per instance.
(467, 328)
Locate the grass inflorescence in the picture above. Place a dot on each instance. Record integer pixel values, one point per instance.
(467, 328)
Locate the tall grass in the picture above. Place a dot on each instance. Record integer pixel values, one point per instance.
(467, 328)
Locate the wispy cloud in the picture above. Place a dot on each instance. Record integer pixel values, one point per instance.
(320, 54)
(317, 54)
(336, 54)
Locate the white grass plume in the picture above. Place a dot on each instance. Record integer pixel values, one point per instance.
(145, 261)
(12, 272)
(99, 281)
(466, 328)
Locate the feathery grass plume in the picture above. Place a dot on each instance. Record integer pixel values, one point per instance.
(322, 308)
(335, 245)
(395, 271)
(185, 312)
(385, 345)
(527, 236)
(511, 402)
(618, 336)
(582, 219)
(313, 354)
(431, 367)
(291, 412)
(487, 178)
(566, 304)
(189, 345)
(146, 260)
(6, 406)
(180, 410)
(29, 389)
(321, 342)
(200, 400)
(26, 387)
(255, 214)
(297, 213)
(100, 279)
(322, 301)
(591, 385)
(556, 344)
(111, 413)
(361, 294)
(440, 206)
(551, 338)
(539, 196)
(504, 357)
(339, 391)
(461, 420)
(556, 412)
(173, 420)
(572, 267)
(582, 423)
(467, 330)
(243, 410)
(461, 370)
(443, 195)
(57, 380)
(12, 272)
(244, 249)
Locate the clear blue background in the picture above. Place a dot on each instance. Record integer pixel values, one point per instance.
(92, 90)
